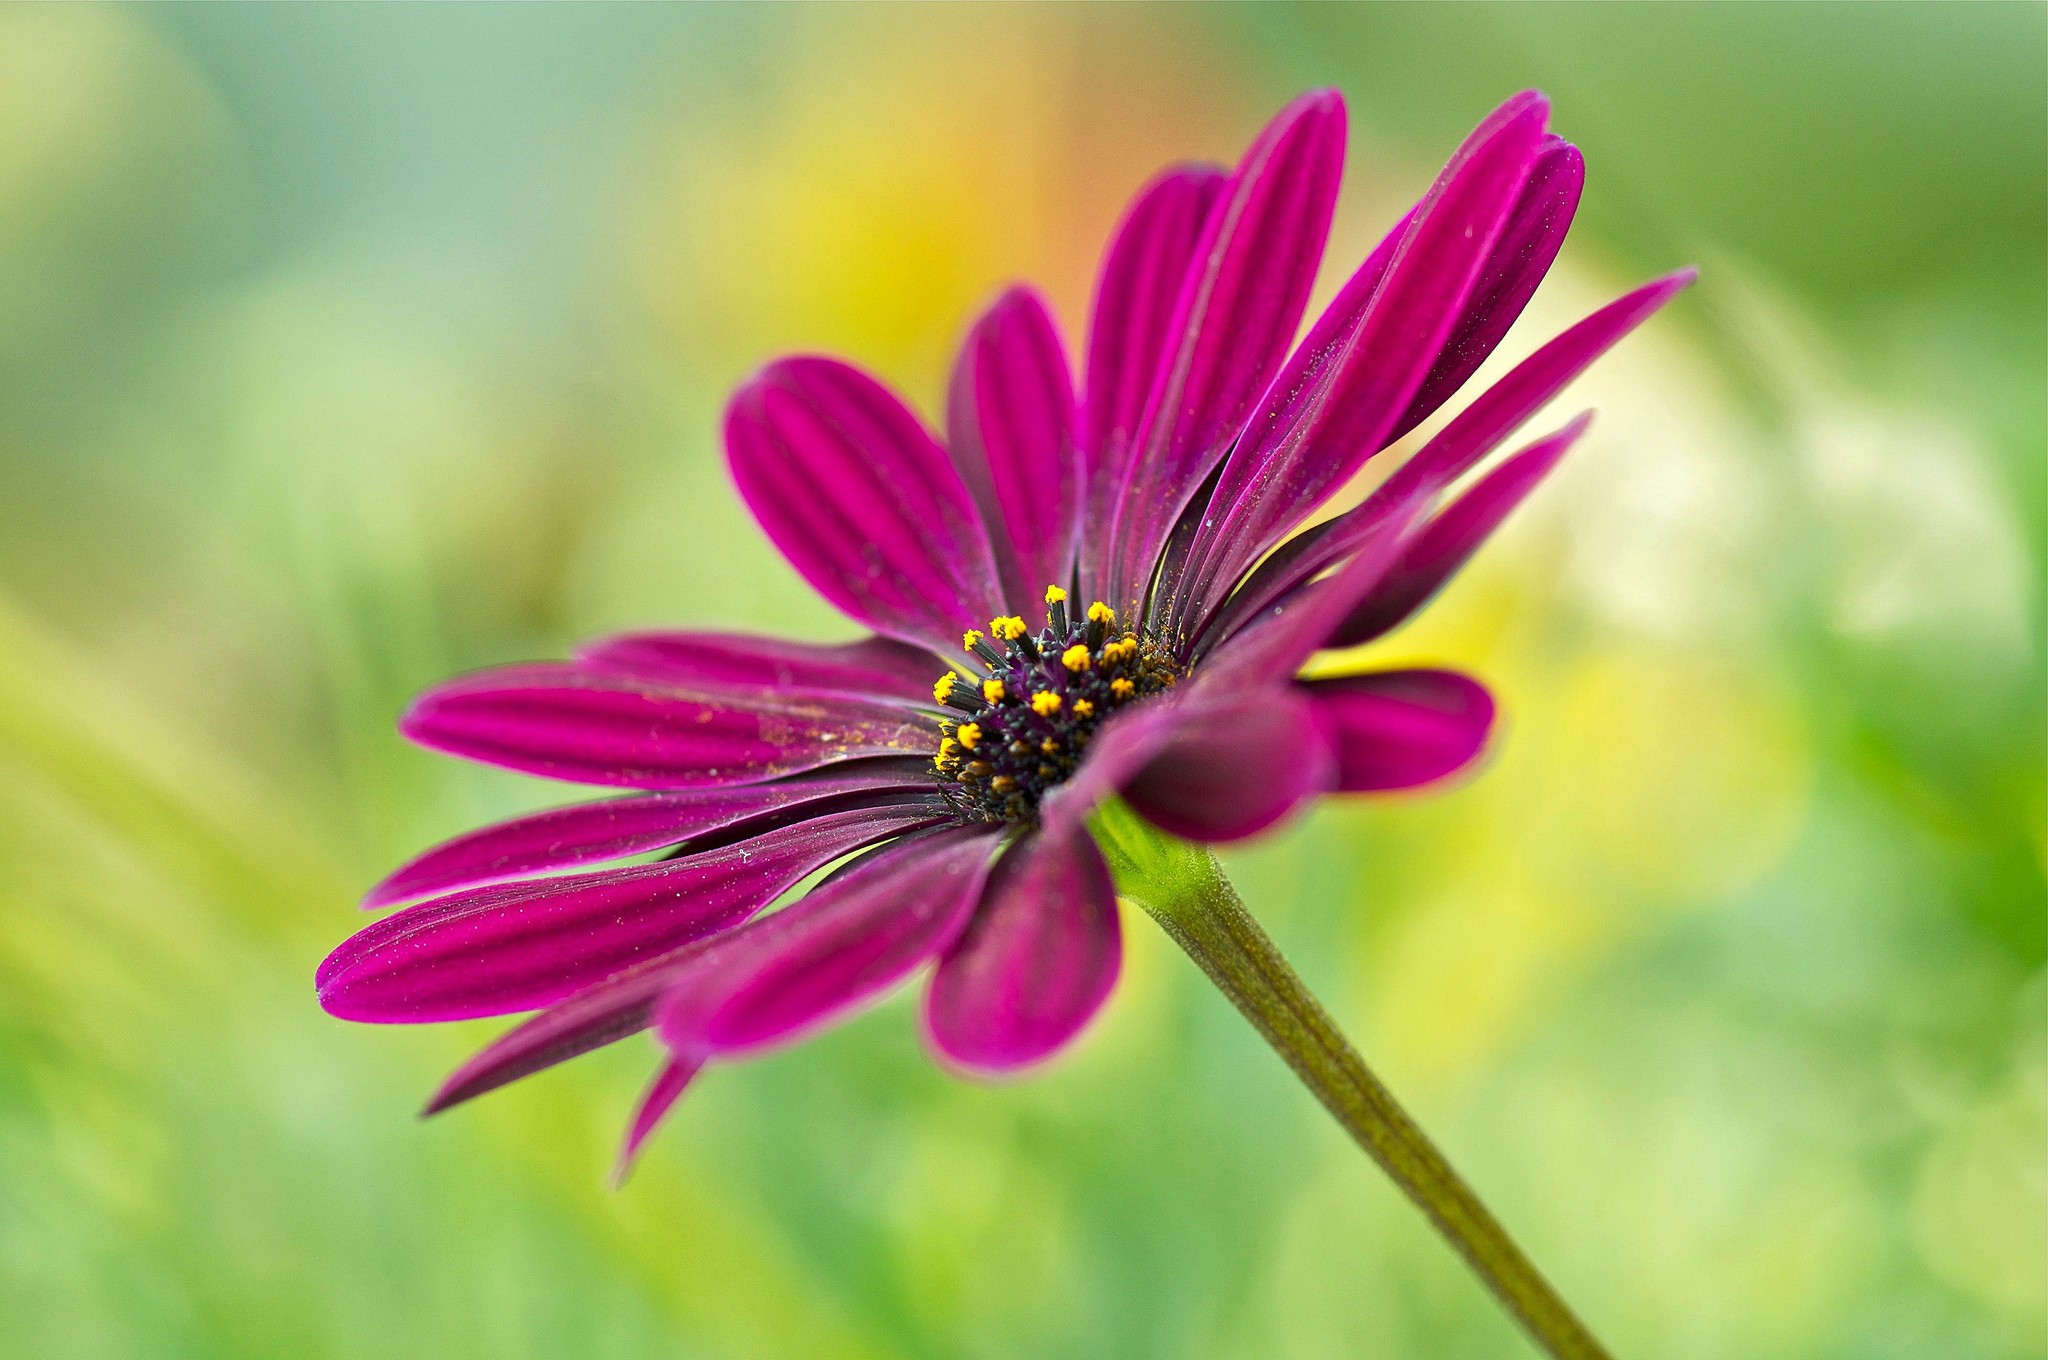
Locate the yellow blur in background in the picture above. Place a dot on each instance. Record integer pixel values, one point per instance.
(345, 348)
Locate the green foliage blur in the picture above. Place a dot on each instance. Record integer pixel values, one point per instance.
(343, 348)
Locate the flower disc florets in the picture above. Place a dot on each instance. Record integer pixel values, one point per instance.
(1032, 702)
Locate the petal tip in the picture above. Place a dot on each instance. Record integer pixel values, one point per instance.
(329, 971)
(386, 892)
(458, 1088)
(335, 999)
(1326, 100)
(421, 721)
(1317, 112)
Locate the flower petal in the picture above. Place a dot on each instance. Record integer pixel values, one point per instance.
(1295, 452)
(1235, 319)
(659, 1098)
(861, 500)
(1434, 552)
(1471, 435)
(1497, 412)
(1010, 425)
(849, 940)
(1398, 729)
(603, 727)
(1150, 258)
(1120, 748)
(590, 833)
(1521, 256)
(871, 668)
(604, 1013)
(1250, 747)
(1036, 961)
(1268, 646)
(518, 946)
(1234, 767)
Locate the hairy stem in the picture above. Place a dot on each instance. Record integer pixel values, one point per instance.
(1180, 886)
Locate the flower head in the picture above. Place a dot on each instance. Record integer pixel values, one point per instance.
(948, 764)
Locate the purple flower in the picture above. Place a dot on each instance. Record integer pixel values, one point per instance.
(1071, 596)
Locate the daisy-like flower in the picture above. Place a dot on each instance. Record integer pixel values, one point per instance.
(1072, 596)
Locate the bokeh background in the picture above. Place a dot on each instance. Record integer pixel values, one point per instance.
(343, 348)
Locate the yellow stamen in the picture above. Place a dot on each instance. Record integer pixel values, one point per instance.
(1045, 703)
(969, 735)
(1002, 783)
(1009, 628)
(1054, 595)
(969, 638)
(1049, 746)
(1083, 709)
(1101, 613)
(943, 686)
(992, 690)
(1075, 658)
(1122, 689)
(947, 746)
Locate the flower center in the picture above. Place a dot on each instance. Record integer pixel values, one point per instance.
(1032, 702)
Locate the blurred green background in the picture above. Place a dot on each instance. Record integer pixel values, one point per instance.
(343, 348)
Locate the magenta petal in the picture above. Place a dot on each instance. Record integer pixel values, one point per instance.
(1523, 254)
(871, 668)
(659, 1098)
(1268, 646)
(1010, 424)
(604, 1013)
(1148, 261)
(1457, 448)
(1188, 596)
(518, 946)
(1234, 768)
(1295, 453)
(1120, 748)
(1434, 553)
(590, 833)
(1472, 434)
(1493, 415)
(1036, 961)
(603, 727)
(861, 500)
(849, 940)
(1294, 563)
(1398, 729)
(1233, 324)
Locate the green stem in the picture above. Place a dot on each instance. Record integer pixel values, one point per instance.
(1181, 887)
